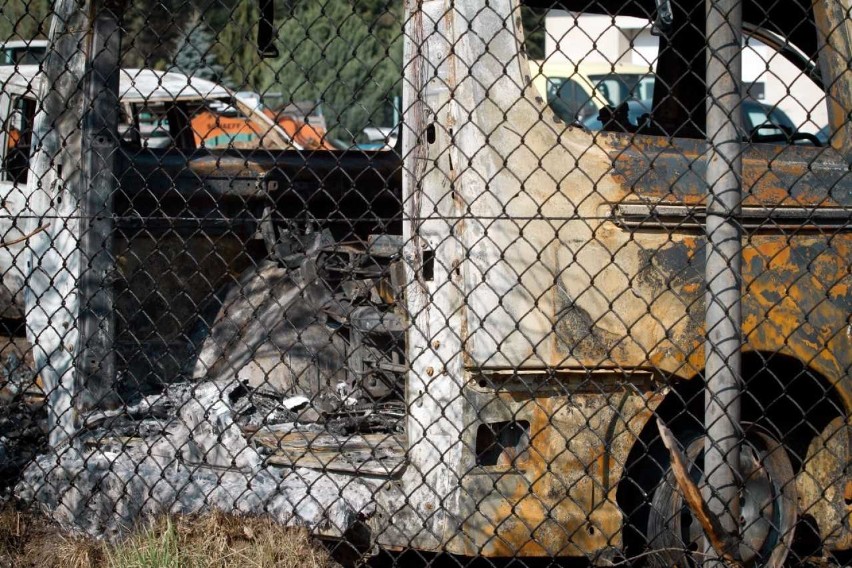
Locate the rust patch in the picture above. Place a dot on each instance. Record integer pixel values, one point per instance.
(673, 172)
(578, 334)
(558, 498)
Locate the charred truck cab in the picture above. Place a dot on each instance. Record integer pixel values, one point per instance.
(478, 328)
(566, 302)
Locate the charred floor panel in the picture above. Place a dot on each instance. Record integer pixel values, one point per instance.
(183, 452)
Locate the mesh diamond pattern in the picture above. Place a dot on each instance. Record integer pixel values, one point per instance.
(500, 280)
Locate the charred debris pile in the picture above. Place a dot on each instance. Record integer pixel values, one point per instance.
(292, 407)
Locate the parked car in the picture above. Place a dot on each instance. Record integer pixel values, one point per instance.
(159, 109)
(379, 138)
(577, 92)
(764, 123)
(165, 110)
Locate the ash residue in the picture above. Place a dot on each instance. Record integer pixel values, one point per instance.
(181, 452)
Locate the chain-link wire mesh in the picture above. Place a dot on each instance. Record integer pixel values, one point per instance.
(557, 279)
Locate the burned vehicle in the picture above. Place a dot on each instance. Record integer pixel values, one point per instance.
(470, 344)
(165, 110)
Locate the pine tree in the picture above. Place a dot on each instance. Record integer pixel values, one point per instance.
(195, 56)
(152, 31)
(25, 19)
(345, 55)
(237, 45)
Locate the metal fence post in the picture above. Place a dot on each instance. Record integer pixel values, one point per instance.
(96, 362)
(724, 253)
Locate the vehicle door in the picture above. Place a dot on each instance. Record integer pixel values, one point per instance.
(18, 112)
(796, 199)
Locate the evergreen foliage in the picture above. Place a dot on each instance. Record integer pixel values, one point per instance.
(25, 19)
(236, 48)
(344, 54)
(152, 32)
(194, 55)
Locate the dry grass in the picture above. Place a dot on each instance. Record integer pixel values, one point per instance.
(29, 540)
(217, 541)
(211, 541)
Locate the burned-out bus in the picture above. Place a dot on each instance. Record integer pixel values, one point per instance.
(466, 344)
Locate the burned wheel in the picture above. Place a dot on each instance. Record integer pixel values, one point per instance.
(767, 506)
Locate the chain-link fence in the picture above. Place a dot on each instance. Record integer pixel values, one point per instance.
(542, 280)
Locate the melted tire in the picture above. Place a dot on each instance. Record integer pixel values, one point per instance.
(768, 507)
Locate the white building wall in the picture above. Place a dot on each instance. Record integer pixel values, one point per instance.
(572, 38)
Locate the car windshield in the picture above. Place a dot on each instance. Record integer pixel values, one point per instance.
(214, 124)
(618, 87)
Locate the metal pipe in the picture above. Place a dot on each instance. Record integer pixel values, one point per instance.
(98, 183)
(724, 260)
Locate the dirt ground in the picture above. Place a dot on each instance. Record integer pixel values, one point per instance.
(28, 539)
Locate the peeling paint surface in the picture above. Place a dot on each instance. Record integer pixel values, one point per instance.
(530, 328)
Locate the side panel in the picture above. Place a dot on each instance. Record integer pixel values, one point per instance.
(797, 246)
(479, 210)
(539, 278)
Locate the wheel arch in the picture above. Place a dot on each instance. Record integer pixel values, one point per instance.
(782, 393)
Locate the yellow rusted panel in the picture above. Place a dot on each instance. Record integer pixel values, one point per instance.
(823, 486)
(558, 497)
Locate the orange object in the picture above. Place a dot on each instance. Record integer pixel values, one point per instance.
(14, 138)
(217, 131)
(305, 135)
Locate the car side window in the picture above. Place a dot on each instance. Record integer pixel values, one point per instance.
(213, 124)
(147, 126)
(782, 105)
(19, 134)
(783, 101)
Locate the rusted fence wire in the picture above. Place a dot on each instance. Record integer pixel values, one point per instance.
(532, 280)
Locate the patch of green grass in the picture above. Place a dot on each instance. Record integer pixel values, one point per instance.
(154, 547)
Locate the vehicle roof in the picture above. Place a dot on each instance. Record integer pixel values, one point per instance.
(23, 43)
(137, 85)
